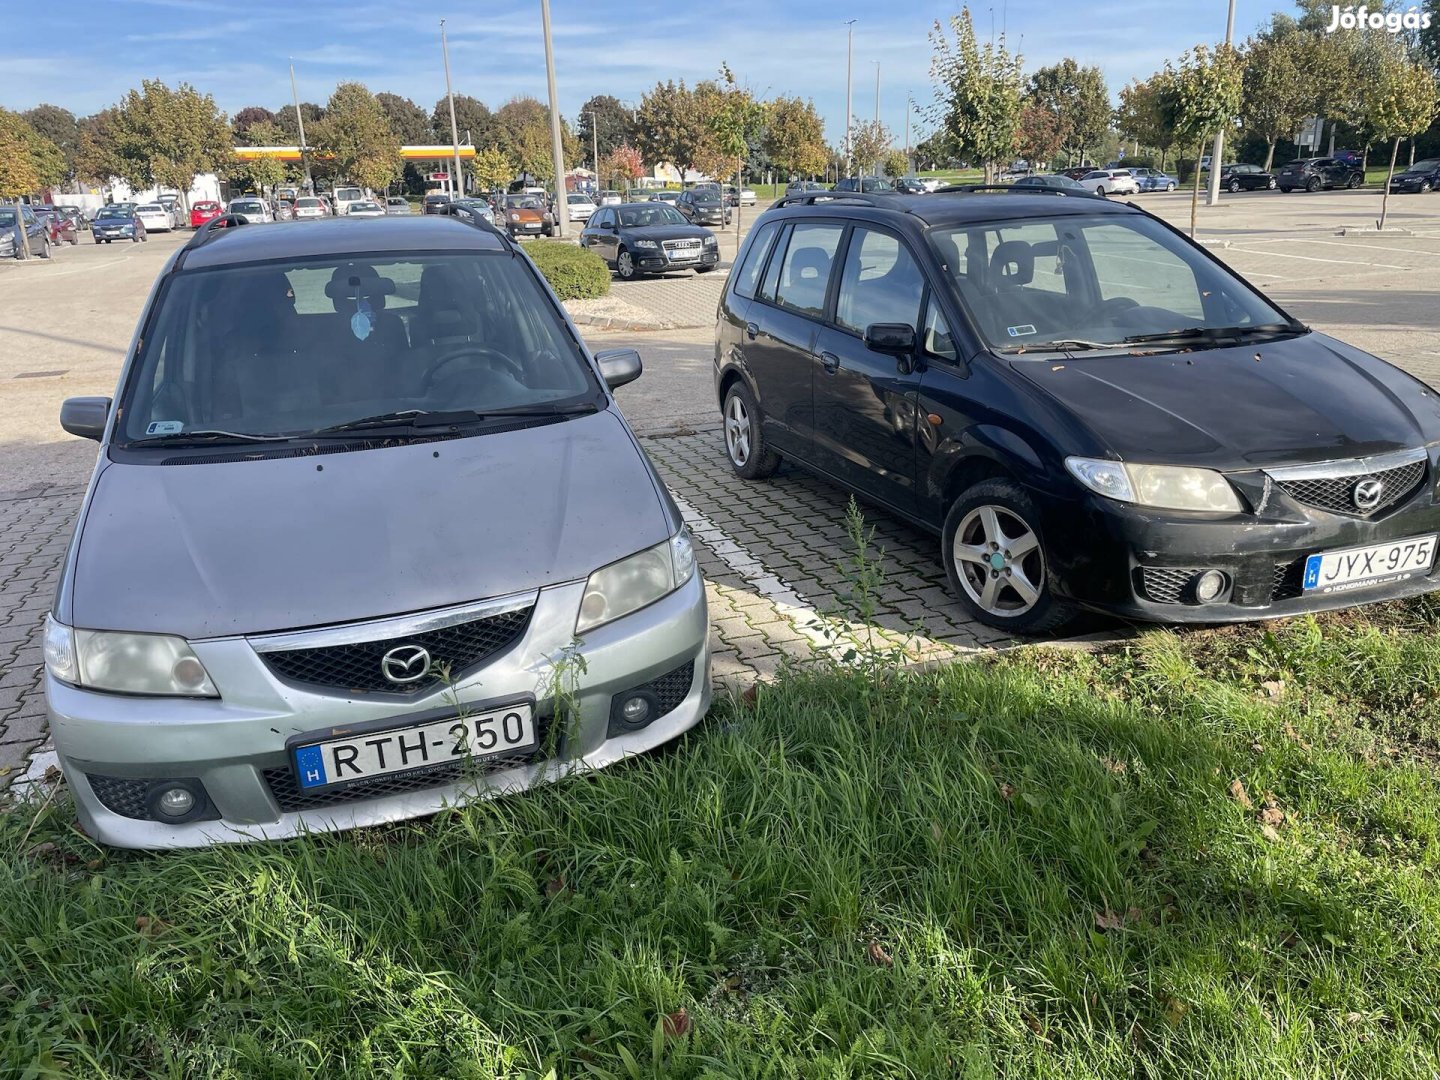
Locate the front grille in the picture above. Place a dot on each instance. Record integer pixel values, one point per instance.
(356, 667)
(121, 795)
(682, 247)
(1288, 581)
(1336, 493)
(1166, 584)
(291, 798)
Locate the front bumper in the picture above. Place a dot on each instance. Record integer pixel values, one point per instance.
(1132, 557)
(235, 746)
(659, 261)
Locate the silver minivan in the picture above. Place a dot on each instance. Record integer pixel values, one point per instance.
(366, 536)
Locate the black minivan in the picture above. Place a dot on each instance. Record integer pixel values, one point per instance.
(1088, 408)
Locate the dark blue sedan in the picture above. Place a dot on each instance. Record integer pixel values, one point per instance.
(117, 222)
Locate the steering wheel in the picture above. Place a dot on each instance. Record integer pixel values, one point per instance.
(481, 352)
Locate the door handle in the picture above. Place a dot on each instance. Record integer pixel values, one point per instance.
(830, 362)
(752, 330)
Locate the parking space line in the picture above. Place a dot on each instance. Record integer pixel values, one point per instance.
(1311, 258)
(1344, 244)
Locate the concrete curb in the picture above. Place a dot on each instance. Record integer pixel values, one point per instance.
(1371, 230)
(612, 322)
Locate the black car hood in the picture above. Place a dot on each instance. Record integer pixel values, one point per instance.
(1310, 398)
(665, 232)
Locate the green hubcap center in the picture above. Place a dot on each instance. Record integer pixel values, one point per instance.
(997, 561)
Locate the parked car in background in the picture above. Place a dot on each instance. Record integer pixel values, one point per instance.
(117, 222)
(1315, 174)
(14, 218)
(60, 228)
(1078, 172)
(526, 215)
(433, 202)
(702, 206)
(609, 198)
(579, 206)
(283, 210)
(1088, 409)
(204, 211)
(666, 196)
(1110, 182)
(155, 217)
(257, 211)
(367, 674)
(364, 208)
(1239, 176)
(1348, 157)
(307, 208)
(1153, 179)
(342, 197)
(473, 210)
(802, 187)
(397, 204)
(1422, 177)
(869, 185)
(910, 185)
(77, 215)
(1051, 183)
(748, 197)
(649, 238)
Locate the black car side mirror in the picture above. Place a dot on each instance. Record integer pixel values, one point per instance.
(619, 366)
(897, 339)
(85, 416)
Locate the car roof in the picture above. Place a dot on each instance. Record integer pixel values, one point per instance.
(959, 208)
(300, 240)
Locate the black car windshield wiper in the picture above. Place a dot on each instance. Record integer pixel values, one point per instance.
(1060, 345)
(206, 435)
(1219, 335)
(428, 418)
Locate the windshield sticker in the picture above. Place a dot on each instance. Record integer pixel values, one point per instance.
(363, 321)
(165, 427)
(1022, 330)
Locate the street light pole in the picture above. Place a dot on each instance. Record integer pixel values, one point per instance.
(849, 60)
(557, 150)
(300, 123)
(456, 181)
(595, 145)
(877, 102)
(909, 108)
(1216, 152)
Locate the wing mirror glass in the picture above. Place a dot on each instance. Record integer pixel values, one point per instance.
(619, 366)
(85, 416)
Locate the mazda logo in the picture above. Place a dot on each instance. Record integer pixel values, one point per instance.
(1366, 495)
(405, 664)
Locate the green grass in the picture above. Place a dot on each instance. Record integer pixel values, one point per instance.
(1033, 866)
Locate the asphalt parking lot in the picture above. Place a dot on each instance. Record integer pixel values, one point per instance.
(770, 550)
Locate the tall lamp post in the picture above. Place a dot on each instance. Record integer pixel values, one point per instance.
(457, 182)
(849, 60)
(1218, 150)
(300, 123)
(557, 150)
(877, 103)
(595, 145)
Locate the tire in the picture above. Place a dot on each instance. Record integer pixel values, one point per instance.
(1424, 187)
(1169, 187)
(1270, 184)
(745, 445)
(98, 240)
(44, 251)
(1353, 182)
(1313, 184)
(1100, 190)
(1234, 187)
(625, 266)
(1000, 509)
(706, 269)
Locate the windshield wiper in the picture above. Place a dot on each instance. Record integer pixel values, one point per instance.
(426, 418)
(1062, 345)
(1215, 334)
(181, 438)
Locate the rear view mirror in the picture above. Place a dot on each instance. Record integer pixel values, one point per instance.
(619, 366)
(895, 338)
(85, 416)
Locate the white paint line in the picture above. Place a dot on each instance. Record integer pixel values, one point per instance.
(1311, 258)
(1344, 244)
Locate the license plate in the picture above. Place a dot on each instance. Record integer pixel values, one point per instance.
(361, 756)
(1354, 568)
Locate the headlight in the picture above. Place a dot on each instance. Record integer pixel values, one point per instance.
(646, 244)
(152, 664)
(514, 216)
(632, 583)
(710, 241)
(1168, 487)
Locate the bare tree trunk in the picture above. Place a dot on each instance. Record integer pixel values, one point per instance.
(1195, 195)
(1270, 154)
(1385, 198)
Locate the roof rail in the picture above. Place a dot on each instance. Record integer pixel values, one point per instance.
(810, 198)
(970, 189)
(207, 232)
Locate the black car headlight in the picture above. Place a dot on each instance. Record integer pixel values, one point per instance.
(649, 245)
(1168, 487)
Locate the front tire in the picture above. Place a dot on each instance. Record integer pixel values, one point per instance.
(1312, 185)
(745, 446)
(995, 559)
(1270, 184)
(45, 248)
(1354, 181)
(1169, 187)
(1234, 187)
(1424, 187)
(625, 266)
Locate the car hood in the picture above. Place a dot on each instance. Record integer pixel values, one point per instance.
(666, 232)
(1422, 174)
(223, 548)
(1311, 398)
(107, 221)
(524, 213)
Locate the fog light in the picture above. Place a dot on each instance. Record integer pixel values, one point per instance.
(632, 710)
(176, 801)
(635, 711)
(1209, 585)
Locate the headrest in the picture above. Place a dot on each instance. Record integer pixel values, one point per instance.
(810, 258)
(1013, 263)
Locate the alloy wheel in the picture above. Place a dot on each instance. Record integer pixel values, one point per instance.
(999, 561)
(737, 431)
(625, 264)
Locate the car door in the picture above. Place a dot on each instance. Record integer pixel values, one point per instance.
(864, 398)
(604, 240)
(783, 324)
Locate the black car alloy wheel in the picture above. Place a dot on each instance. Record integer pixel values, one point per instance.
(744, 439)
(1234, 186)
(995, 559)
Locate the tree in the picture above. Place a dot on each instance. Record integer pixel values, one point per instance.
(493, 169)
(672, 126)
(261, 173)
(1037, 135)
(355, 135)
(160, 136)
(408, 122)
(1278, 86)
(285, 118)
(869, 142)
(896, 163)
(60, 127)
(795, 137)
(247, 117)
(1200, 96)
(604, 121)
(623, 163)
(977, 91)
(1402, 103)
(533, 150)
(473, 119)
(19, 171)
(515, 117)
(1079, 97)
(1142, 117)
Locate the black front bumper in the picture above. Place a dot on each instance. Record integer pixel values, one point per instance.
(658, 262)
(1138, 563)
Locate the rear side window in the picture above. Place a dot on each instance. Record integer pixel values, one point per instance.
(748, 275)
(805, 273)
(880, 282)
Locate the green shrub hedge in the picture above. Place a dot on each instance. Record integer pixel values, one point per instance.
(573, 272)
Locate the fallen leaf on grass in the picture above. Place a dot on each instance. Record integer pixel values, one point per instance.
(1175, 1009)
(1116, 767)
(150, 926)
(1237, 792)
(937, 832)
(1269, 832)
(1109, 920)
(751, 694)
(877, 955)
(676, 1024)
(1007, 791)
(1033, 1024)
(1273, 688)
(555, 886)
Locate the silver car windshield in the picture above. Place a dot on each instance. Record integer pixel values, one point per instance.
(291, 350)
(1093, 281)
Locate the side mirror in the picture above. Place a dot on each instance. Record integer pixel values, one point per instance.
(85, 416)
(898, 339)
(619, 366)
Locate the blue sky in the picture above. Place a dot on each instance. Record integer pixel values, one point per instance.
(239, 51)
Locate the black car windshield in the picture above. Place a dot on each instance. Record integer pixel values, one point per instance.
(1428, 165)
(113, 212)
(1095, 281)
(643, 214)
(290, 349)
